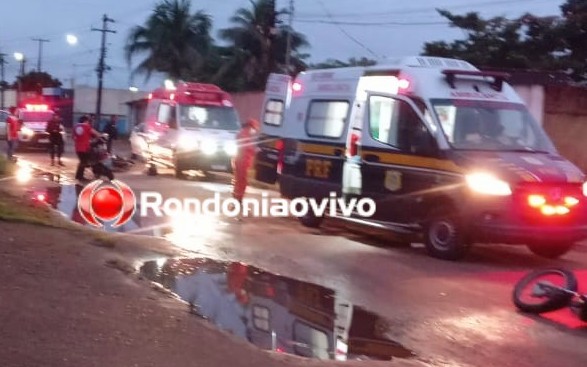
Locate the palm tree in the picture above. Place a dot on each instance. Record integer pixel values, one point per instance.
(175, 41)
(259, 39)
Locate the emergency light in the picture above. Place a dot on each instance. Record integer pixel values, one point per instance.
(37, 107)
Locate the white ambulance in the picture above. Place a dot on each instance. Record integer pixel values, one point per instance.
(450, 155)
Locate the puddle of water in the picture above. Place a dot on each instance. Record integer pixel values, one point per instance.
(274, 312)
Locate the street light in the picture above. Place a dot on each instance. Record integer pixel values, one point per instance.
(19, 56)
(71, 39)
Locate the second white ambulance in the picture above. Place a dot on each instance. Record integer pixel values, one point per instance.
(449, 153)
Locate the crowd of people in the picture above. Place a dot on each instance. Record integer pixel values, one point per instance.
(82, 134)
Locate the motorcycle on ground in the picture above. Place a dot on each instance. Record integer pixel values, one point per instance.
(547, 290)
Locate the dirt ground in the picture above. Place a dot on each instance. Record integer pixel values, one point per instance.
(71, 298)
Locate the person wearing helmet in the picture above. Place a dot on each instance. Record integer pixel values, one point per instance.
(244, 157)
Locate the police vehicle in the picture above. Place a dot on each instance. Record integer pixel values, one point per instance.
(189, 126)
(450, 155)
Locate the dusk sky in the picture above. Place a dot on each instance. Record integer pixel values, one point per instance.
(396, 28)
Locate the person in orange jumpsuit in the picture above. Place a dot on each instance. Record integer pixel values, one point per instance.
(244, 158)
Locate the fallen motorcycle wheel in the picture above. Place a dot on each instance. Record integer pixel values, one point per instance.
(537, 291)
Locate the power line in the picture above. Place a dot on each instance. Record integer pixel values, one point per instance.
(345, 32)
(101, 63)
(371, 23)
(402, 12)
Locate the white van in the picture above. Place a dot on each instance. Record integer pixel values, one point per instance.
(449, 153)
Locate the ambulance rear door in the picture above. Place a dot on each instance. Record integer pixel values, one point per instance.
(270, 145)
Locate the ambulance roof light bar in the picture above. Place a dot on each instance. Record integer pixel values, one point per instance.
(498, 77)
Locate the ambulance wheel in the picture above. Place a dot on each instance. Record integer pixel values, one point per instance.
(311, 221)
(152, 170)
(444, 236)
(551, 250)
(179, 174)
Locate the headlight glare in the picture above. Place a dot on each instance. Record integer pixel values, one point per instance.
(209, 147)
(585, 189)
(27, 131)
(488, 184)
(185, 142)
(230, 148)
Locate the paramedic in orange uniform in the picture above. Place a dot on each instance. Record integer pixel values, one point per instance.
(244, 158)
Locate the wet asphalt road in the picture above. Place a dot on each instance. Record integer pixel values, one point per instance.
(447, 313)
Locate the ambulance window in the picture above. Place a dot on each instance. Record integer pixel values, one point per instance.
(326, 119)
(382, 120)
(273, 112)
(394, 122)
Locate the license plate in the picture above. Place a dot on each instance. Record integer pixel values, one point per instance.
(43, 141)
(218, 167)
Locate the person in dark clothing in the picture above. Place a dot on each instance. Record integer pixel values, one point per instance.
(55, 128)
(112, 132)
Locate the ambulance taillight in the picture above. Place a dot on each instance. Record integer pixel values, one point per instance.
(280, 147)
(354, 145)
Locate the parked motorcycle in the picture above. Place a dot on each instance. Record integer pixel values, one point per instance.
(547, 290)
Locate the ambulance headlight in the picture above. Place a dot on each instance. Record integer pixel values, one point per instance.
(27, 131)
(488, 184)
(230, 148)
(209, 147)
(185, 142)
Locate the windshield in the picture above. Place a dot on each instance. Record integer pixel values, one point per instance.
(208, 117)
(488, 125)
(36, 116)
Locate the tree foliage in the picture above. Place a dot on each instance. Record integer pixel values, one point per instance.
(176, 41)
(530, 42)
(35, 81)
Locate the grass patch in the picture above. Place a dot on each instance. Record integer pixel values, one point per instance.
(7, 168)
(16, 209)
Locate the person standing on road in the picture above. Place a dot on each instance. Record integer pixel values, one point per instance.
(244, 158)
(82, 134)
(55, 129)
(112, 132)
(12, 129)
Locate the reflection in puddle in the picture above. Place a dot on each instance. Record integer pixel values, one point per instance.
(274, 312)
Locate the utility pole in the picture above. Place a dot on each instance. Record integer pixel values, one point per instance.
(289, 37)
(101, 65)
(41, 41)
(2, 62)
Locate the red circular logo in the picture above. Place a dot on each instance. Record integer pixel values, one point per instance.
(102, 201)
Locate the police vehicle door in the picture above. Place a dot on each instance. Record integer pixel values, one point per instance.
(397, 158)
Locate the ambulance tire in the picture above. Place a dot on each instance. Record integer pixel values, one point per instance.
(311, 221)
(152, 170)
(551, 250)
(178, 169)
(444, 235)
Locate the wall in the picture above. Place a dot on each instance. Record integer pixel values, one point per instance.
(113, 103)
(565, 121)
(249, 104)
(534, 97)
